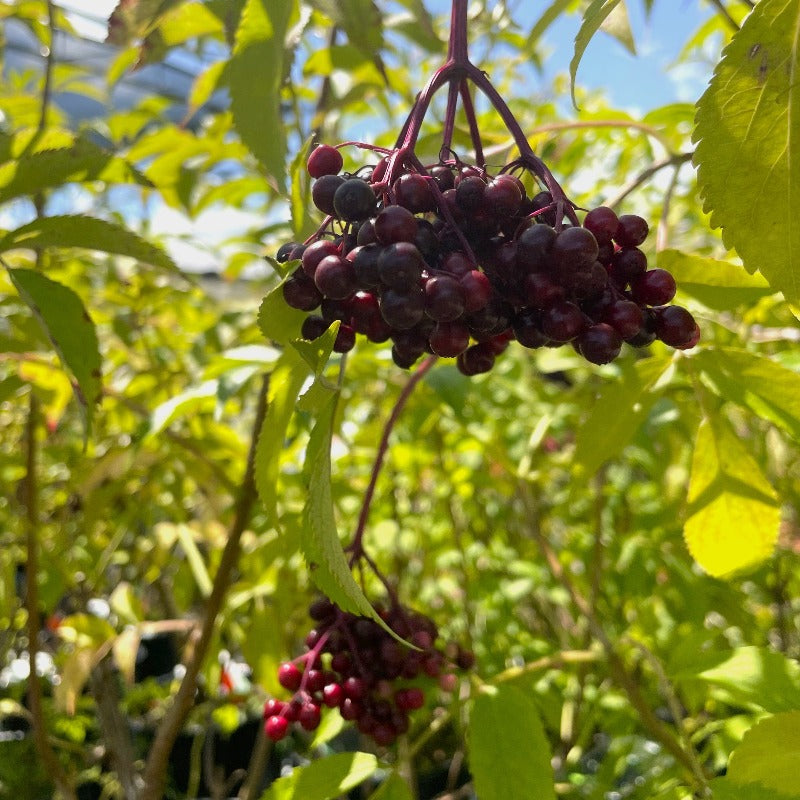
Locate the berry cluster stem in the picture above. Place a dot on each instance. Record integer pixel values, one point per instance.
(356, 547)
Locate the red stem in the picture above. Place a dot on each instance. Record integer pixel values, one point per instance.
(356, 547)
(474, 130)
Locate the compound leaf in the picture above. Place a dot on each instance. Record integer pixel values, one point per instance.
(255, 74)
(508, 751)
(733, 511)
(747, 144)
(88, 232)
(71, 331)
(277, 320)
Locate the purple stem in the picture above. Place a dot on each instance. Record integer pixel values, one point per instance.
(474, 131)
(450, 116)
(356, 547)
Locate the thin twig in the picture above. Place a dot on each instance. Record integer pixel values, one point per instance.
(257, 766)
(156, 766)
(726, 14)
(355, 546)
(662, 234)
(674, 160)
(31, 484)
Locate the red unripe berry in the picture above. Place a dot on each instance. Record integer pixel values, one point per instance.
(315, 680)
(289, 676)
(324, 160)
(477, 290)
(383, 735)
(409, 699)
(655, 288)
(332, 695)
(276, 728)
(353, 688)
(309, 716)
(273, 708)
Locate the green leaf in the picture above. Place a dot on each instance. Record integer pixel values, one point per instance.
(734, 514)
(752, 675)
(618, 25)
(205, 84)
(769, 754)
(595, 16)
(285, 383)
(361, 21)
(508, 752)
(317, 352)
(277, 320)
(325, 778)
(255, 75)
(756, 382)
(748, 147)
(726, 789)
(71, 331)
(46, 169)
(87, 232)
(716, 284)
(185, 536)
(393, 788)
(134, 19)
(193, 399)
(620, 409)
(548, 17)
(319, 540)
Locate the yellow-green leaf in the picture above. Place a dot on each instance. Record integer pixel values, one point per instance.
(255, 75)
(71, 331)
(748, 147)
(769, 754)
(733, 511)
(597, 13)
(509, 755)
(720, 285)
(324, 779)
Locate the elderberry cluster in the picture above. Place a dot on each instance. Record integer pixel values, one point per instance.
(353, 664)
(448, 259)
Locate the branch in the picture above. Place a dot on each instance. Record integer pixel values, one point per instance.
(31, 485)
(674, 160)
(157, 761)
(726, 14)
(356, 545)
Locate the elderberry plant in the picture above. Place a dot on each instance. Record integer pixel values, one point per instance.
(455, 259)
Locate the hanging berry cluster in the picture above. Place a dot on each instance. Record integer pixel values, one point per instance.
(456, 259)
(353, 664)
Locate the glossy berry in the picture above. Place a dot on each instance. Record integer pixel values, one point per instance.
(276, 728)
(625, 317)
(675, 326)
(414, 193)
(324, 160)
(445, 298)
(324, 190)
(309, 717)
(449, 339)
(335, 277)
(602, 222)
(289, 676)
(332, 695)
(562, 321)
(395, 224)
(599, 344)
(314, 253)
(574, 249)
(301, 293)
(477, 359)
(354, 200)
(631, 231)
(653, 288)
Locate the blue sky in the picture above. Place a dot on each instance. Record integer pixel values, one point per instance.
(645, 81)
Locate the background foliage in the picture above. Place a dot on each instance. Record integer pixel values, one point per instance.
(618, 545)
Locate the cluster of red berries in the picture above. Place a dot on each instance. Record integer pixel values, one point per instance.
(450, 260)
(353, 664)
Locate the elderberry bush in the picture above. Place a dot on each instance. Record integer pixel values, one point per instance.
(353, 664)
(452, 260)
